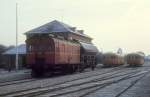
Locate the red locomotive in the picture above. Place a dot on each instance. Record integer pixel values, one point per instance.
(47, 53)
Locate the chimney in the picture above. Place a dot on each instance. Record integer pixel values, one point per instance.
(81, 31)
(73, 28)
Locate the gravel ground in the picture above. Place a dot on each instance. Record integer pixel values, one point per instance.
(14, 75)
(141, 89)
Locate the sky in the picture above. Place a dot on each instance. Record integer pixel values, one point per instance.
(112, 24)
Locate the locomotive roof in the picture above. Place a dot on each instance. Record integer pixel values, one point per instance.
(89, 47)
(54, 27)
(21, 50)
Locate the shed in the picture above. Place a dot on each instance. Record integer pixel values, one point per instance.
(11, 57)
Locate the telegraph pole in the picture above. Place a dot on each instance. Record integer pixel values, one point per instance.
(16, 36)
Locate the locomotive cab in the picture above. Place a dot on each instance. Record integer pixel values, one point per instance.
(39, 47)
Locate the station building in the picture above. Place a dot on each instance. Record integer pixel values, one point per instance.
(60, 30)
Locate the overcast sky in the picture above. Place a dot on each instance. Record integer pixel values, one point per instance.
(113, 24)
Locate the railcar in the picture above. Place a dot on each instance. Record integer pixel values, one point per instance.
(112, 59)
(135, 59)
(47, 54)
(88, 55)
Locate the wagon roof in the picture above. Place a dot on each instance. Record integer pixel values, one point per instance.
(54, 27)
(89, 47)
(135, 54)
(112, 54)
(21, 50)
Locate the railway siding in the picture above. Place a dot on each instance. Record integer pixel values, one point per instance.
(107, 82)
(92, 84)
(80, 83)
(140, 89)
(51, 81)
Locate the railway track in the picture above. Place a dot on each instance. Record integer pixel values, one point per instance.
(83, 90)
(130, 86)
(48, 81)
(82, 84)
(115, 89)
(16, 82)
(119, 89)
(4, 83)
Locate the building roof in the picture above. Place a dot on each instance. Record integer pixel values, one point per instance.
(54, 27)
(21, 50)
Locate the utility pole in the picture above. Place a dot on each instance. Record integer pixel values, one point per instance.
(16, 36)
